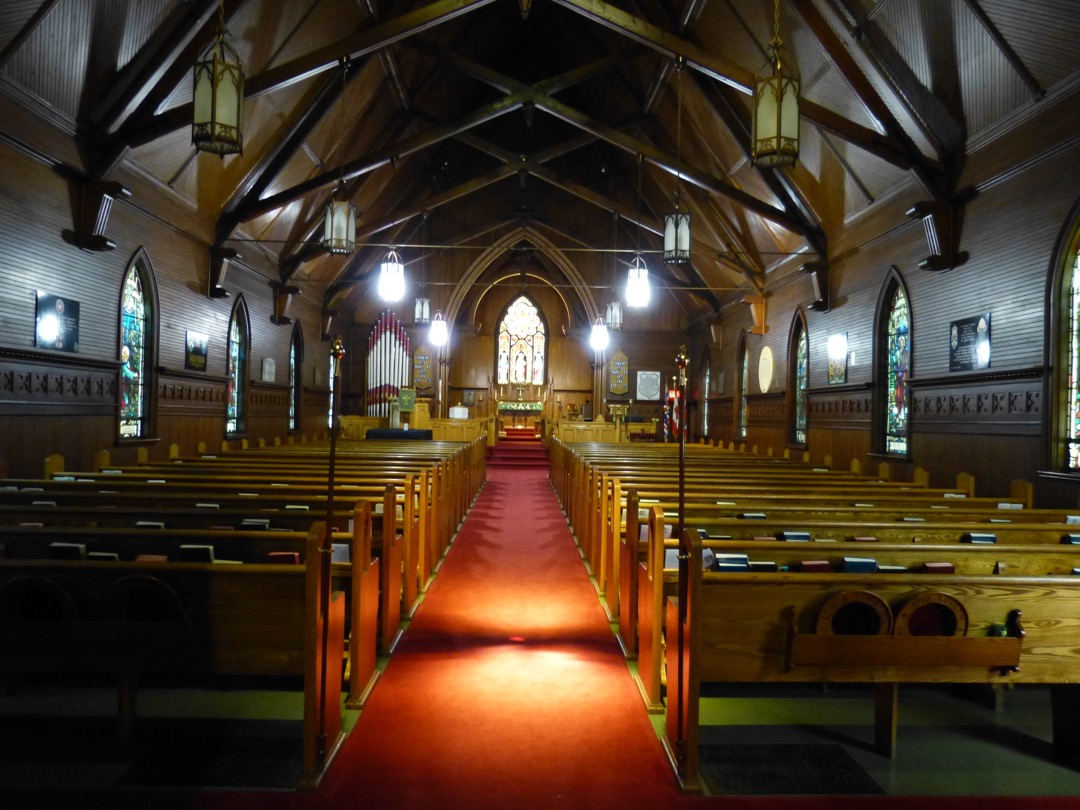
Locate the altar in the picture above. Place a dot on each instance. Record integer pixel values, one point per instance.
(519, 413)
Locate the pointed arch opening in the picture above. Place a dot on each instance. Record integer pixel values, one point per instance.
(742, 403)
(239, 350)
(798, 378)
(521, 344)
(1064, 450)
(892, 368)
(296, 376)
(137, 349)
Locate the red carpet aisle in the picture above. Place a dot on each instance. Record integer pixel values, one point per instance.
(509, 689)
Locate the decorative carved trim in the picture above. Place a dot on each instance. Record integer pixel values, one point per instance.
(1004, 403)
(37, 383)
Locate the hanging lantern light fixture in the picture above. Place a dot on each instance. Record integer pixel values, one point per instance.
(677, 221)
(392, 277)
(677, 235)
(218, 122)
(422, 311)
(638, 291)
(438, 334)
(339, 225)
(613, 316)
(598, 339)
(776, 108)
(339, 230)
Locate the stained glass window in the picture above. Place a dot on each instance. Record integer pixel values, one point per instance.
(898, 368)
(1073, 394)
(705, 401)
(296, 349)
(236, 394)
(134, 325)
(800, 379)
(744, 388)
(522, 343)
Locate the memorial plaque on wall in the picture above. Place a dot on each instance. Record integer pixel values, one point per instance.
(57, 324)
(423, 369)
(969, 343)
(619, 373)
(648, 385)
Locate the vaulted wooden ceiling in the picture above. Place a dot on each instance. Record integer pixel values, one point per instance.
(460, 122)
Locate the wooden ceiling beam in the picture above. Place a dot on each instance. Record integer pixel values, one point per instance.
(322, 59)
(361, 44)
(382, 157)
(660, 40)
(926, 171)
(403, 214)
(621, 140)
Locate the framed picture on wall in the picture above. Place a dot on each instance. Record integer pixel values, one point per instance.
(648, 385)
(195, 350)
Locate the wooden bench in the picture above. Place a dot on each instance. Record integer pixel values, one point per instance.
(185, 619)
(778, 627)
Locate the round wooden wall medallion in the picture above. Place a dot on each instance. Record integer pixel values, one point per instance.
(932, 614)
(855, 613)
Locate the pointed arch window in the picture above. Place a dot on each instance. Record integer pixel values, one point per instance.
(706, 383)
(296, 367)
(799, 368)
(236, 392)
(895, 360)
(1068, 385)
(136, 350)
(742, 407)
(521, 345)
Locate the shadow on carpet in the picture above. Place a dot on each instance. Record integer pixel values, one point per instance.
(783, 770)
(259, 761)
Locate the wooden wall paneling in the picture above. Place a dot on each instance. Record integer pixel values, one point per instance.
(953, 416)
(838, 424)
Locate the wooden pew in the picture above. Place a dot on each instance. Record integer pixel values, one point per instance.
(777, 628)
(262, 620)
(654, 585)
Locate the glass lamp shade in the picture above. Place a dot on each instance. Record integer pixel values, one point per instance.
(638, 291)
(598, 339)
(438, 334)
(339, 228)
(776, 117)
(613, 317)
(392, 278)
(422, 310)
(677, 237)
(218, 121)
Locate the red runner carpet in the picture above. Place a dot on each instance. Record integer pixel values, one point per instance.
(509, 690)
